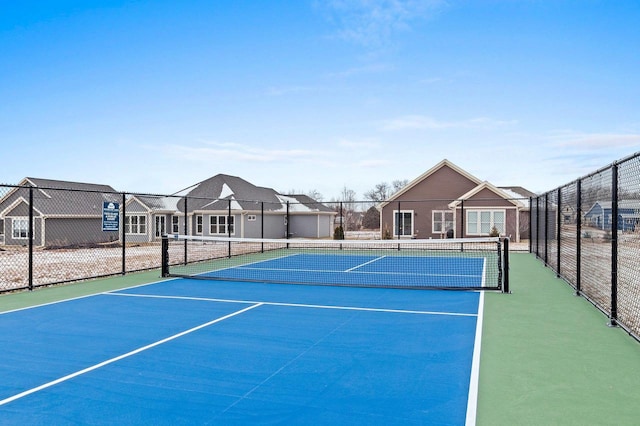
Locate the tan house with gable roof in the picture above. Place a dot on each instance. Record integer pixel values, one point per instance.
(447, 201)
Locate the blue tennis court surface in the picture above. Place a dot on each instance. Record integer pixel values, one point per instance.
(363, 270)
(201, 352)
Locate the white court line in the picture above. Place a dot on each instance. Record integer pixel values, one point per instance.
(297, 305)
(118, 358)
(366, 263)
(340, 271)
(472, 401)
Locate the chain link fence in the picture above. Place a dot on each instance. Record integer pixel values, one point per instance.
(588, 231)
(52, 234)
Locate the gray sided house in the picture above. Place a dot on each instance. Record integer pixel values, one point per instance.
(448, 201)
(64, 213)
(226, 205)
(148, 217)
(600, 215)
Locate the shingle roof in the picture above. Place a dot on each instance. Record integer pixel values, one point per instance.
(62, 198)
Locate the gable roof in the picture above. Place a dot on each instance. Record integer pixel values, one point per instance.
(217, 192)
(425, 175)
(57, 198)
(490, 187)
(627, 204)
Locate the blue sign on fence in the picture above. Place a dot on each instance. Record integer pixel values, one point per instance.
(110, 216)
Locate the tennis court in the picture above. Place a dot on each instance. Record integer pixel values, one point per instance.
(193, 351)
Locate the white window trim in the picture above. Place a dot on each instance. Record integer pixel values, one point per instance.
(175, 224)
(21, 219)
(413, 222)
(229, 221)
(128, 225)
(442, 219)
(199, 224)
(491, 224)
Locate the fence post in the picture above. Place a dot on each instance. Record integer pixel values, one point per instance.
(614, 246)
(578, 236)
(531, 224)
(186, 229)
(558, 231)
(462, 219)
(538, 227)
(124, 233)
(287, 224)
(546, 229)
(30, 235)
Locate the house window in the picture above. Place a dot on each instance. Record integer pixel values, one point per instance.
(221, 225)
(20, 228)
(175, 225)
(442, 221)
(199, 224)
(403, 223)
(251, 218)
(135, 224)
(481, 222)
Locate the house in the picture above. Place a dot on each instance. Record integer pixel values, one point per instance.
(600, 215)
(64, 213)
(225, 205)
(448, 201)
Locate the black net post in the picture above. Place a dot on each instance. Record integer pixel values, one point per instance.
(165, 256)
(505, 266)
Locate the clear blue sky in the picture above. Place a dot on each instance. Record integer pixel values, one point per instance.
(153, 96)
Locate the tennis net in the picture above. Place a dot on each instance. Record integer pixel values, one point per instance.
(473, 263)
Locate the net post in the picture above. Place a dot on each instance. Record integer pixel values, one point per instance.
(124, 234)
(505, 266)
(165, 256)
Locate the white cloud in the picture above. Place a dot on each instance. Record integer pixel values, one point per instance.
(374, 22)
(408, 122)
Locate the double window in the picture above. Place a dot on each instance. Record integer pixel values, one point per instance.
(221, 225)
(442, 221)
(481, 222)
(135, 224)
(20, 228)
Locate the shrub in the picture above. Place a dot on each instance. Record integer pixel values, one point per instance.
(338, 233)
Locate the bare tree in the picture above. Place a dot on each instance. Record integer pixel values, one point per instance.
(382, 191)
(379, 193)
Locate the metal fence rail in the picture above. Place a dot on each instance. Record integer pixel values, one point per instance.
(588, 231)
